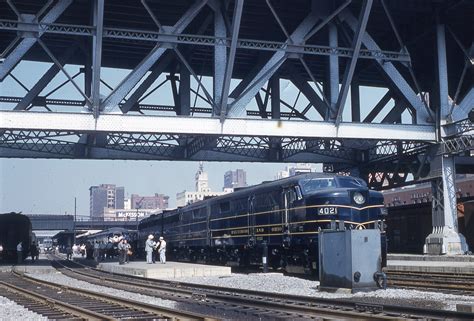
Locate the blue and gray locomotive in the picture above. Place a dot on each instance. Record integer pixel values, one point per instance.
(284, 216)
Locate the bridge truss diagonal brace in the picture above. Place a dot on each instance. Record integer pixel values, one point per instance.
(423, 114)
(350, 69)
(44, 80)
(127, 84)
(97, 55)
(22, 48)
(220, 57)
(462, 110)
(231, 58)
(237, 108)
(310, 94)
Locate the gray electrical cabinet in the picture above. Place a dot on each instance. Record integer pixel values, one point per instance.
(349, 259)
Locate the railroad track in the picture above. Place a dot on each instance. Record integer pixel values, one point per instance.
(60, 302)
(454, 283)
(255, 303)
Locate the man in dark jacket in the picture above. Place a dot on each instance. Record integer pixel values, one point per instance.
(69, 252)
(34, 251)
(122, 248)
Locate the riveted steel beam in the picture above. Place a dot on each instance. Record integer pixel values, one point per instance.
(237, 108)
(22, 48)
(210, 126)
(231, 58)
(44, 80)
(137, 74)
(423, 115)
(98, 12)
(201, 40)
(349, 72)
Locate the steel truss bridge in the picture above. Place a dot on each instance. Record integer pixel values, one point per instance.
(253, 81)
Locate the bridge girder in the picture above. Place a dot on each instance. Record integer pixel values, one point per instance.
(223, 60)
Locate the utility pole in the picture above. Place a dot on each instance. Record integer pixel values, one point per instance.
(139, 206)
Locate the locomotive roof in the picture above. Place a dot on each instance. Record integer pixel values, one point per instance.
(242, 192)
(261, 187)
(287, 181)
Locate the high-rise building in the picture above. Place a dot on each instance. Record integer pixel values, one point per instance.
(105, 196)
(201, 179)
(292, 170)
(235, 179)
(158, 201)
(202, 189)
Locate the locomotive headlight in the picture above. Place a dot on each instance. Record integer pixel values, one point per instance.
(358, 198)
(1, 248)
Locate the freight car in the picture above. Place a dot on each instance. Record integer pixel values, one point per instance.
(14, 228)
(282, 217)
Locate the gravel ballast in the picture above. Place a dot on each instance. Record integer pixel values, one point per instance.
(11, 311)
(278, 283)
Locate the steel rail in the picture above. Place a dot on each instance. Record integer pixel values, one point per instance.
(52, 304)
(152, 311)
(232, 298)
(276, 301)
(461, 283)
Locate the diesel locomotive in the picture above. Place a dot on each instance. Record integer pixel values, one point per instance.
(282, 218)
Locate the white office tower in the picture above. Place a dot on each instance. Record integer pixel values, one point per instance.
(202, 189)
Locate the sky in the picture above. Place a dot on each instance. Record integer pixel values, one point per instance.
(40, 186)
(48, 186)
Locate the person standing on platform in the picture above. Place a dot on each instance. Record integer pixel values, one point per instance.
(34, 252)
(69, 252)
(96, 253)
(37, 252)
(122, 248)
(162, 250)
(19, 252)
(128, 251)
(149, 247)
(155, 252)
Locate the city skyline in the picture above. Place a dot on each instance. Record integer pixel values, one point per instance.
(53, 192)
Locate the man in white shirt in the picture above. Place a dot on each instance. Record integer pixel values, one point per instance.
(162, 250)
(19, 252)
(149, 247)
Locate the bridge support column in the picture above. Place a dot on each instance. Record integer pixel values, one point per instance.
(445, 238)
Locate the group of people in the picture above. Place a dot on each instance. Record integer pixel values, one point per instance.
(152, 247)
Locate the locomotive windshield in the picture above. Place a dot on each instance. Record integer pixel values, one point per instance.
(351, 182)
(310, 185)
(315, 184)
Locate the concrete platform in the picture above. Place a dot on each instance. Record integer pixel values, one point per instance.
(431, 263)
(168, 270)
(42, 266)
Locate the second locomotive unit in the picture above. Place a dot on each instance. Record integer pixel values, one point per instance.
(282, 217)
